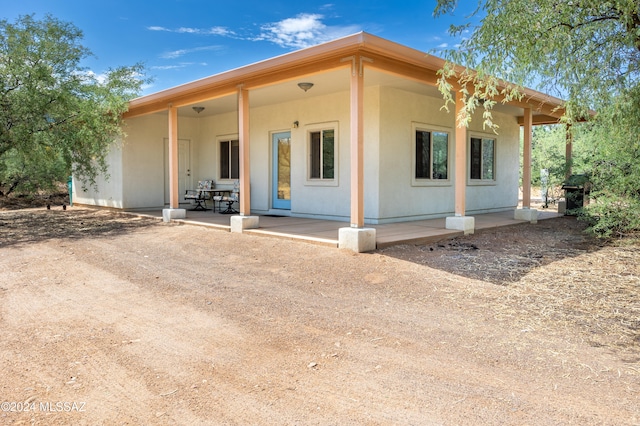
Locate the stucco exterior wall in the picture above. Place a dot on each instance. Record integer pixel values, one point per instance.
(502, 194)
(143, 161)
(404, 198)
(312, 113)
(211, 130)
(400, 197)
(138, 166)
(109, 189)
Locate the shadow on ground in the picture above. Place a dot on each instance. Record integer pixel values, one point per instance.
(503, 255)
(34, 225)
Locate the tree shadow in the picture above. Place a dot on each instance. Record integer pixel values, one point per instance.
(503, 255)
(20, 227)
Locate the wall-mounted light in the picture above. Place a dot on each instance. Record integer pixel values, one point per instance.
(198, 109)
(296, 124)
(305, 86)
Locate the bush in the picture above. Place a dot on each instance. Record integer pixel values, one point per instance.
(610, 216)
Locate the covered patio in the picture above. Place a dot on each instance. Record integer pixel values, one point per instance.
(325, 232)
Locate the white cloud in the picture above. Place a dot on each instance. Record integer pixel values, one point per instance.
(181, 52)
(443, 45)
(178, 66)
(187, 30)
(304, 30)
(168, 67)
(220, 31)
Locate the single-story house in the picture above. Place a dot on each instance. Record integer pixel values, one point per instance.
(350, 130)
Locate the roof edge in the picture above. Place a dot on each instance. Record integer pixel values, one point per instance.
(348, 45)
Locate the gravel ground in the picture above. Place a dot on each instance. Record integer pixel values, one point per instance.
(111, 319)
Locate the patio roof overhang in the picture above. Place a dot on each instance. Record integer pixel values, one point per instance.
(381, 54)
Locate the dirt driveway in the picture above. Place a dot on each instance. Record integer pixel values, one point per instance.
(110, 319)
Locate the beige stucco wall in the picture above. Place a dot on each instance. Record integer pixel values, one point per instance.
(212, 129)
(401, 197)
(137, 166)
(143, 161)
(325, 199)
(503, 193)
(108, 190)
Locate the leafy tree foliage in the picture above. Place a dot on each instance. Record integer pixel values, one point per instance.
(584, 51)
(614, 140)
(56, 117)
(549, 153)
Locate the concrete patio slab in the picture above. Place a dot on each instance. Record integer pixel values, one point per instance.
(326, 232)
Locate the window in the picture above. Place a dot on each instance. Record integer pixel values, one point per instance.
(321, 153)
(229, 159)
(432, 155)
(482, 158)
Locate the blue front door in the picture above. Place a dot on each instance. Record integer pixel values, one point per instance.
(281, 179)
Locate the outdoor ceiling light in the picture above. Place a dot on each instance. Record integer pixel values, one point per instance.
(198, 109)
(305, 86)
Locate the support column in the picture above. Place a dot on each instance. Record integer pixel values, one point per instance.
(568, 152)
(357, 238)
(527, 213)
(460, 221)
(357, 149)
(526, 159)
(174, 211)
(244, 220)
(568, 161)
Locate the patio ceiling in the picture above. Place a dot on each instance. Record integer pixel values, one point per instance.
(323, 84)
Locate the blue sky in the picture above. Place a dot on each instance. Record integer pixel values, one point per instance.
(183, 40)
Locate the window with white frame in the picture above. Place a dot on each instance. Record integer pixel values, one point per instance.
(322, 154)
(229, 159)
(431, 155)
(482, 158)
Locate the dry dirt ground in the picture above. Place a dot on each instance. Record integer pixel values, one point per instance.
(112, 319)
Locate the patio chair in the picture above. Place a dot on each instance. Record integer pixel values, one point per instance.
(233, 197)
(200, 195)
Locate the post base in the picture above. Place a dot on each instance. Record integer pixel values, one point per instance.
(530, 215)
(169, 214)
(466, 224)
(359, 240)
(240, 223)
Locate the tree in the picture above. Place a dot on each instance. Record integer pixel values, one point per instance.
(584, 51)
(56, 117)
(549, 153)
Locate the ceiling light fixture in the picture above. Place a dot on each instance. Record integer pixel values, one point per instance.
(198, 109)
(305, 86)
